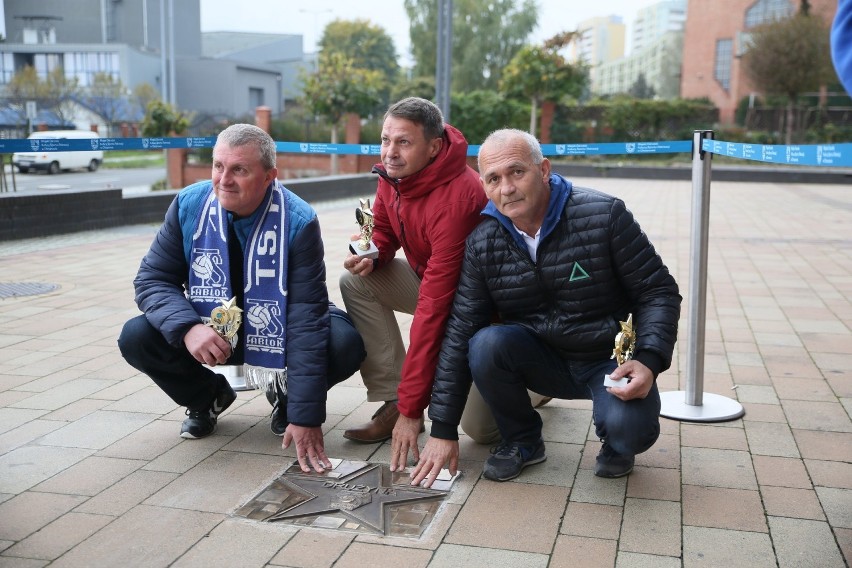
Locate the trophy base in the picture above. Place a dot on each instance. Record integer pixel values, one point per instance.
(234, 374)
(371, 252)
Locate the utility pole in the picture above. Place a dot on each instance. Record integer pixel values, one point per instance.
(443, 65)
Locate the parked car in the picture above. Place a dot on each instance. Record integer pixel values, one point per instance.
(54, 162)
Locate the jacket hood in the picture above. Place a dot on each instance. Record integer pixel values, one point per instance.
(447, 165)
(560, 190)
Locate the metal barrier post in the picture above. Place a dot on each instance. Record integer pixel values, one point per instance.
(693, 404)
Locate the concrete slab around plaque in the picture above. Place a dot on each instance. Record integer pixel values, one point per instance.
(353, 496)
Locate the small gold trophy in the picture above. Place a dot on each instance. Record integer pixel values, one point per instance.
(226, 320)
(625, 341)
(363, 246)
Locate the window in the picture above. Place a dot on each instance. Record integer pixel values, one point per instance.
(767, 11)
(255, 97)
(722, 68)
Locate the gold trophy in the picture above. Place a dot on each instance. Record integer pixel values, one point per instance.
(363, 246)
(625, 344)
(226, 320)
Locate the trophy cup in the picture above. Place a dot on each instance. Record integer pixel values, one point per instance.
(226, 320)
(363, 246)
(625, 344)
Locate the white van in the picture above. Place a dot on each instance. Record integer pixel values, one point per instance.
(54, 162)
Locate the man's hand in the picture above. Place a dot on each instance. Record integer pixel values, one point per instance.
(436, 453)
(207, 346)
(404, 438)
(357, 264)
(310, 448)
(641, 380)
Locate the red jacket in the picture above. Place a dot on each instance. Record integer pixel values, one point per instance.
(429, 214)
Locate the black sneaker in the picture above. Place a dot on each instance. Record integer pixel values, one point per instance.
(509, 458)
(202, 422)
(279, 423)
(611, 464)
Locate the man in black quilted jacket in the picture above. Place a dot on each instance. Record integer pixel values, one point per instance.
(561, 268)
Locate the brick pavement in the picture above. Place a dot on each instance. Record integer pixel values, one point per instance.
(93, 473)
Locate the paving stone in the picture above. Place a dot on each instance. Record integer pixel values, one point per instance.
(654, 483)
(756, 394)
(237, 478)
(59, 536)
(791, 502)
(188, 453)
(127, 493)
(824, 416)
(237, 543)
(837, 504)
(454, 555)
(76, 410)
(718, 468)
(844, 540)
(28, 512)
(636, 560)
(664, 453)
(526, 520)
(770, 439)
(805, 389)
(11, 418)
(572, 551)
(566, 425)
(148, 546)
(27, 466)
(89, 476)
(800, 542)
(26, 433)
(360, 554)
(150, 400)
(830, 473)
(559, 468)
(97, 430)
(764, 413)
(591, 489)
(313, 549)
(723, 508)
(651, 527)
(147, 443)
(781, 472)
(706, 436)
(592, 520)
(703, 546)
(829, 446)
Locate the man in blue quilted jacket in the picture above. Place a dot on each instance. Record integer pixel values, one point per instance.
(236, 276)
(563, 269)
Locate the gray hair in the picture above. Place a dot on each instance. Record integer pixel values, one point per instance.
(248, 134)
(507, 135)
(421, 112)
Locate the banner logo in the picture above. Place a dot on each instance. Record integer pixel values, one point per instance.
(630, 147)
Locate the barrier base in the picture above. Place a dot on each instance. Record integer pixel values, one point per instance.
(714, 408)
(234, 374)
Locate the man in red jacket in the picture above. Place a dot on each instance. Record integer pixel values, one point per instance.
(428, 200)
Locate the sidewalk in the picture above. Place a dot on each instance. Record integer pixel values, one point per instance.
(93, 472)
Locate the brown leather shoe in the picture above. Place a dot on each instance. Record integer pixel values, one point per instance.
(380, 427)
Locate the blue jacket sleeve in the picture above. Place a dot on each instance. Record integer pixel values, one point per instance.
(307, 328)
(160, 282)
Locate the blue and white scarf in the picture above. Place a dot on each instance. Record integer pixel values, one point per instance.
(265, 270)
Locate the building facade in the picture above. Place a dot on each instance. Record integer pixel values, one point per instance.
(716, 37)
(154, 42)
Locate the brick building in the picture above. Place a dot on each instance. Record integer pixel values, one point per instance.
(715, 38)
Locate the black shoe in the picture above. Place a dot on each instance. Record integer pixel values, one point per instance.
(279, 423)
(202, 422)
(509, 458)
(611, 464)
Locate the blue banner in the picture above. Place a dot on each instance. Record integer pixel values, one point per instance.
(826, 155)
(88, 144)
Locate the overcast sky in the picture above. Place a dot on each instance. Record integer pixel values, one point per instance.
(310, 18)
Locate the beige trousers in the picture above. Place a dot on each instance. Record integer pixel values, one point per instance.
(371, 302)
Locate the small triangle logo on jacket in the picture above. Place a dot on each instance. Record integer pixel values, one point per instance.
(578, 273)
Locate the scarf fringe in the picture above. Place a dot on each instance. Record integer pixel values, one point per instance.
(261, 377)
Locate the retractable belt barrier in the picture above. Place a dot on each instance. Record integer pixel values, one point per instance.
(691, 404)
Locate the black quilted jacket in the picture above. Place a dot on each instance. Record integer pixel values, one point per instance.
(594, 266)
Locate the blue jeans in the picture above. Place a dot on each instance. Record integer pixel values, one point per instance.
(506, 360)
(191, 384)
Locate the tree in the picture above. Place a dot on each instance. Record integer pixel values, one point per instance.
(338, 88)
(540, 73)
(106, 98)
(162, 119)
(368, 46)
(54, 92)
(790, 57)
(640, 89)
(144, 93)
(486, 35)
